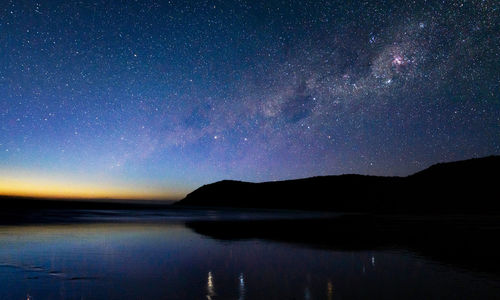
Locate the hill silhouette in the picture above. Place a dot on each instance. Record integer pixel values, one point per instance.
(456, 187)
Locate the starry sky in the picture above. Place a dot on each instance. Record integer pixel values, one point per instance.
(151, 99)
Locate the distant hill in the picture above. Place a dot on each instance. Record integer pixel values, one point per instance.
(457, 187)
(33, 203)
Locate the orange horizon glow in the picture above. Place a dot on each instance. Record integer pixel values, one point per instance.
(66, 188)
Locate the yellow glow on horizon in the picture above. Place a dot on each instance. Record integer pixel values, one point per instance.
(65, 188)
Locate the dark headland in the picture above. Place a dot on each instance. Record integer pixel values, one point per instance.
(467, 186)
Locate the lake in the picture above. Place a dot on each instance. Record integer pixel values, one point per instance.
(167, 255)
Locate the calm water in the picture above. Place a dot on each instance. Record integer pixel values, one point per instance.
(159, 257)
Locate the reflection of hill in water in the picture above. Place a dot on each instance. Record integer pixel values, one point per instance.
(464, 242)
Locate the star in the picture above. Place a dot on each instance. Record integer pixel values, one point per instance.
(316, 91)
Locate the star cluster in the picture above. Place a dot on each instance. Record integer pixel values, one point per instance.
(163, 96)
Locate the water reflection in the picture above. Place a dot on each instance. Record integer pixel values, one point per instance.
(242, 287)
(329, 290)
(307, 294)
(211, 289)
(210, 286)
(170, 261)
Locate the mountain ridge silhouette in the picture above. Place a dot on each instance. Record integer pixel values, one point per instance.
(465, 186)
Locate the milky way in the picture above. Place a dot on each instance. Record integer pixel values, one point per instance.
(168, 95)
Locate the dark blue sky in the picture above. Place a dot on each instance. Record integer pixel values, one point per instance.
(155, 98)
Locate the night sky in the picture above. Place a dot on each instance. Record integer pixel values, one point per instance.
(155, 98)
